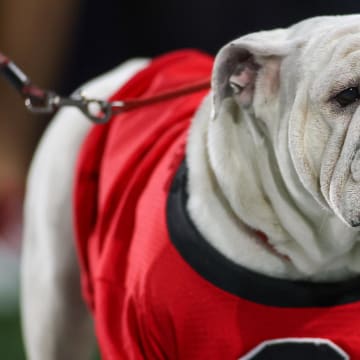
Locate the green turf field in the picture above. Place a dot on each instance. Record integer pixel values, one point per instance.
(11, 347)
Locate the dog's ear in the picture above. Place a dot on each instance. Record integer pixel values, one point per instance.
(238, 63)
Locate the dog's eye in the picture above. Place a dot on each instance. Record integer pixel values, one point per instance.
(348, 96)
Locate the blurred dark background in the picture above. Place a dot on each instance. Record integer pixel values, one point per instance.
(61, 44)
(109, 31)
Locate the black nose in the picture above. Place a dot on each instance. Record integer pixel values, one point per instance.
(355, 223)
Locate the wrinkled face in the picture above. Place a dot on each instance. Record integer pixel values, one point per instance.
(324, 125)
(303, 85)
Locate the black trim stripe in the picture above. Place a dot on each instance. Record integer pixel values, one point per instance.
(238, 280)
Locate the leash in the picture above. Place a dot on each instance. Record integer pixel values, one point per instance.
(38, 100)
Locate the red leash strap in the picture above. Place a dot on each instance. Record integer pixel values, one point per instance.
(127, 105)
(99, 111)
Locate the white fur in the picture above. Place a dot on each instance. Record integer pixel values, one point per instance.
(56, 323)
(283, 164)
(267, 162)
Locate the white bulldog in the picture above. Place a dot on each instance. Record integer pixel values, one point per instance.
(279, 133)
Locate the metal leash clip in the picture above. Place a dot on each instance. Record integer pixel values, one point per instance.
(99, 111)
(41, 101)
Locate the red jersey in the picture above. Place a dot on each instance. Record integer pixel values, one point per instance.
(156, 288)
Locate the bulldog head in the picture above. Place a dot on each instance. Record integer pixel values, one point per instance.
(299, 88)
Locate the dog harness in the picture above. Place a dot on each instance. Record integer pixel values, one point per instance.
(156, 288)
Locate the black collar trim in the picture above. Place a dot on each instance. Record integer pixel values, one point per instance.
(238, 280)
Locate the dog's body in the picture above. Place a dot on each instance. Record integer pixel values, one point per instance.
(272, 150)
